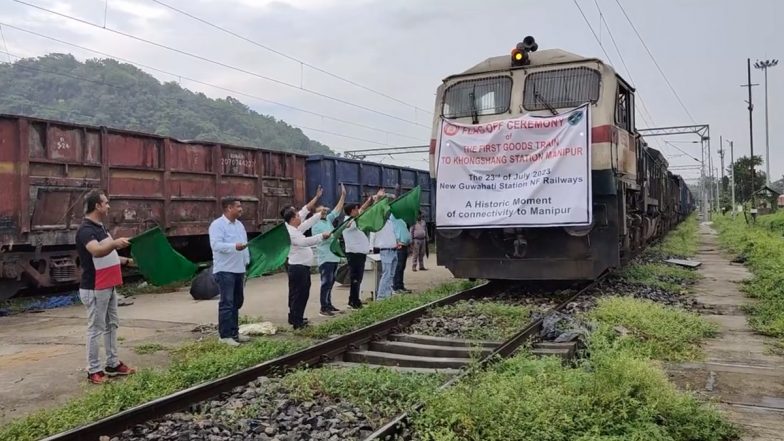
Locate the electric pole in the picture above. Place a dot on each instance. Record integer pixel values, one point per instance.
(721, 155)
(751, 139)
(703, 193)
(764, 65)
(710, 176)
(732, 179)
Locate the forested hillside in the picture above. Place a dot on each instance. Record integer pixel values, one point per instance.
(107, 92)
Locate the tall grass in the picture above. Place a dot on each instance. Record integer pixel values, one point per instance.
(763, 248)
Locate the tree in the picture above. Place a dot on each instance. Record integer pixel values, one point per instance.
(118, 95)
(743, 184)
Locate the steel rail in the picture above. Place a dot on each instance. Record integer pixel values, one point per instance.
(310, 356)
(504, 350)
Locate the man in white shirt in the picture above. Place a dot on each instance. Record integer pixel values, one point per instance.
(386, 241)
(230, 257)
(300, 260)
(357, 247)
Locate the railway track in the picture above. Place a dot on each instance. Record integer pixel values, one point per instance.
(385, 344)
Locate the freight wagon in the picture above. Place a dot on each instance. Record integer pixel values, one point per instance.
(46, 167)
(363, 179)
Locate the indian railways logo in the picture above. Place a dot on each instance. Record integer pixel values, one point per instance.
(575, 118)
(450, 130)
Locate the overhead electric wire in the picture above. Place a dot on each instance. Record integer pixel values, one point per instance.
(290, 57)
(623, 62)
(598, 40)
(222, 64)
(5, 45)
(176, 75)
(655, 62)
(681, 150)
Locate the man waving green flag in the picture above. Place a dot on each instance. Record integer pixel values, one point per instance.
(268, 251)
(406, 207)
(369, 221)
(158, 262)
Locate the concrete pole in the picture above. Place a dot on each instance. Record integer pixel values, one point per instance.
(710, 176)
(767, 140)
(732, 178)
(703, 193)
(751, 143)
(721, 155)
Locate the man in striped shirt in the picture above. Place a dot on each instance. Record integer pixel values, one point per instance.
(101, 274)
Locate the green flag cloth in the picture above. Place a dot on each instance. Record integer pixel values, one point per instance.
(406, 207)
(336, 247)
(268, 251)
(374, 218)
(158, 262)
(369, 221)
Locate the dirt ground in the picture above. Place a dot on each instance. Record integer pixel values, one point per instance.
(738, 372)
(42, 355)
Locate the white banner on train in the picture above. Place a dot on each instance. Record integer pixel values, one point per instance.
(521, 172)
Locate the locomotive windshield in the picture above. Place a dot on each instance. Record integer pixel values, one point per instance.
(562, 88)
(486, 96)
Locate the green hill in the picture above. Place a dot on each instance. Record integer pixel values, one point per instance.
(109, 93)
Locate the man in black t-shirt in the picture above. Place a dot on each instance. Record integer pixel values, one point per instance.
(101, 273)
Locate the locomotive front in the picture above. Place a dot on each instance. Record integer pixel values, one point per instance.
(544, 83)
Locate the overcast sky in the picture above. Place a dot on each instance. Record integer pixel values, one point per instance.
(405, 48)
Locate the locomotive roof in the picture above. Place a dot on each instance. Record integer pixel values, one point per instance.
(538, 58)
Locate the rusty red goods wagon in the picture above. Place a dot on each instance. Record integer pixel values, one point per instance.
(46, 167)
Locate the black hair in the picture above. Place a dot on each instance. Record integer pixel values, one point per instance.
(92, 199)
(283, 210)
(288, 214)
(348, 208)
(228, 201)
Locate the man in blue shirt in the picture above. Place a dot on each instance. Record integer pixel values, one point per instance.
(230, 257)
(403, 237)
(327, 260)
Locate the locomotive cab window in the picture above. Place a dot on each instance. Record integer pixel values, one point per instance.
(486, 96)
(624, 108)
(562, 88)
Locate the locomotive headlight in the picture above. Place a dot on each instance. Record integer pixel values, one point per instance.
(520, 52)
(518, 57)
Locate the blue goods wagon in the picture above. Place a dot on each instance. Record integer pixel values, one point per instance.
(364, 178)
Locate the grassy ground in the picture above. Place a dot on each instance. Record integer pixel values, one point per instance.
(681, 242)
(763, 248)
(372, 389)
(651, 271)
(198, 362)
(649, 330)
(616, 394)
(664, 276)
(620, 392)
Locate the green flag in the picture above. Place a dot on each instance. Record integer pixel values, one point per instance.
(406, 207)
(335, 246)
(268, 251)
(369, 221)
(158, 262)
(374, 218)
